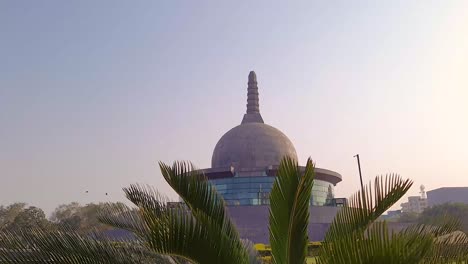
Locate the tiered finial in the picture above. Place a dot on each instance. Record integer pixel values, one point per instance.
(252, 94)
(253, 108)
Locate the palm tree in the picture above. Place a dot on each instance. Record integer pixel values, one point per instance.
(356, 237)
(201, 231)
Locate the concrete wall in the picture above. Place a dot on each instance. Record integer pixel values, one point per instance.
(252, 221)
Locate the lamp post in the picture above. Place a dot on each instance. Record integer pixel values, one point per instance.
(360, 174)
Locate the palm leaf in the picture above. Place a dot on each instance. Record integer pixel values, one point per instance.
(365, 207)
(191, 233)
(346, 235)
(355, 237)
(198, 194)
(202, 199)
(450, 245)
(37, 246)
(199, 239)
(123, 217)
(378, 245)
(289, 212)
(416, 244)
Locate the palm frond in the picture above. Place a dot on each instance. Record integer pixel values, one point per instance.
(189, 233)
(364, 208)
(355, 237)
(198, 194)
(123, 217)
(451, 248)
(147, 199)
(289, 212)
(415, 244)
(197, 239)
(378, 245)
(346, 240)
(450, 245)
(69, 247)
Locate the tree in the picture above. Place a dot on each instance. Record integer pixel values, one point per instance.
(8, 214)
(458, 211)
(18, 217)
(356, 237)
(71, 223)
(83, 219)
(65, 211)
(89, 217)
(408, 217)
(201, 231)
(289, 212)
(31, 217)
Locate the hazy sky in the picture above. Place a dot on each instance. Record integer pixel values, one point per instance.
(94, 93)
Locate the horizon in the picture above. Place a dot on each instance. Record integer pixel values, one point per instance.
(93, 95)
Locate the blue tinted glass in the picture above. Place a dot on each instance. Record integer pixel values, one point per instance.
(256, 190)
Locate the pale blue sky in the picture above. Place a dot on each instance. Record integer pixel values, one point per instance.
(94, 93)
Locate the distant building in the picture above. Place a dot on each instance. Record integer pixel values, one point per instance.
(448, 195)
(415, 204)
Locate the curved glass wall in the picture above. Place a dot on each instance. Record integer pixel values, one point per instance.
(256, 190)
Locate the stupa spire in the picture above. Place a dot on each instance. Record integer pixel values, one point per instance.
(252, 114)
(252, 94)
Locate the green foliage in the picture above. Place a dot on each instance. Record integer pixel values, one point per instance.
(408, 217)
(200, 231)
(82, 219)
(204, 233)
(37, 246)
(457, 211)
(68, 216)
(17, 217)
(8, 213)
(356, 237)
(364, 208)
(31, 217)
(289, 212)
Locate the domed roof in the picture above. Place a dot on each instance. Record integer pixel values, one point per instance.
(252, 144)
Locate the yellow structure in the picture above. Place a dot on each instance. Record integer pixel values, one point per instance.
(265, 252)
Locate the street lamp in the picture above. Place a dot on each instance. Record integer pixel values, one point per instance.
(360, 174)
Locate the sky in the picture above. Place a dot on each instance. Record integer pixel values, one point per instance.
(94, 93)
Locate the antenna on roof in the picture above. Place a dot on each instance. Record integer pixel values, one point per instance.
(422, 189)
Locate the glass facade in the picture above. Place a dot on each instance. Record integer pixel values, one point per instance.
(256, 190)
